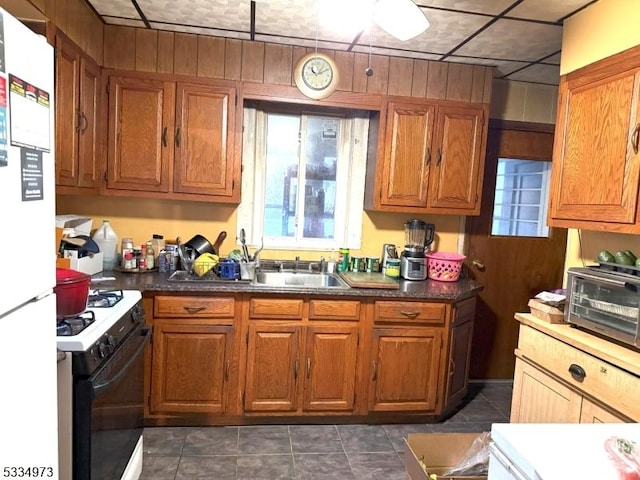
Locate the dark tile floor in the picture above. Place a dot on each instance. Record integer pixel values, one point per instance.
(308, 452)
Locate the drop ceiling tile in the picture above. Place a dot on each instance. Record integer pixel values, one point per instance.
(538, 73)
(128, 22)
(396, 53)
(309, 43)
(200, 30)
(547, 10)
(490, 7)
(447, 30)
(554, 59)
(295, 18)
(501, 67)
(217, 14)
(115, 8)
(514, 40)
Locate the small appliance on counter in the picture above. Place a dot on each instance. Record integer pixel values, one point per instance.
(418, 236)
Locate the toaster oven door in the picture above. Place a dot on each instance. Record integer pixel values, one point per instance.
(607, 306)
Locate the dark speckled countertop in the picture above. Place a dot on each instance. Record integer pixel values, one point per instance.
(154, 282)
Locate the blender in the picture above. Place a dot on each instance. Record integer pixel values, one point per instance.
(418, 236)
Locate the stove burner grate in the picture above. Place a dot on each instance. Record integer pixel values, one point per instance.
(74, 325)
(104, 298)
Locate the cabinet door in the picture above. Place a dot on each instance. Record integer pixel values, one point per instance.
(460, 349)
(404, 369)
(538, 398)
(204, 140)
(592, 413)
(191, 368)
(89, 151)
(330, 368)
(67, 114)
(595, 170)
(273, 367)
(140, 146)
(407, 155)
(456, 173)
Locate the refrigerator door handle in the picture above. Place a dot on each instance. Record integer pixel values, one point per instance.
(506, 463)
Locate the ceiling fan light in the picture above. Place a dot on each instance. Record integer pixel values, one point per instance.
(402, 19)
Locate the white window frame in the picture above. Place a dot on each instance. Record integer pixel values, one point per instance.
(353, 132)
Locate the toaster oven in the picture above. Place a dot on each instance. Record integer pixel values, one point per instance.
(606, 302)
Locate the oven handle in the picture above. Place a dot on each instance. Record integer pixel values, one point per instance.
(145, 334)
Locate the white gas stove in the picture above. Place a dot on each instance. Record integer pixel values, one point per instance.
(105, 308)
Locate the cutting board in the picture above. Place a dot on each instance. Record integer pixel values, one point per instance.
(368, 280)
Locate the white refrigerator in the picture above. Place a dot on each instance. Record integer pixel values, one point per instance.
(28, 391)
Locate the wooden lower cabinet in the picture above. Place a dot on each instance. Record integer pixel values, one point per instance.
(545, 390)
(193, 360)
(238, 358)
(192, 364)
(404, 369)
(291, 368)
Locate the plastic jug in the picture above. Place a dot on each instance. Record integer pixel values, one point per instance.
(107, 240)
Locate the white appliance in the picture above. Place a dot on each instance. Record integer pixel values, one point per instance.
(28, 403)
(101, 395)
(555, 451)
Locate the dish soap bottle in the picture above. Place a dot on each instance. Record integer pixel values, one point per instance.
(107, 241)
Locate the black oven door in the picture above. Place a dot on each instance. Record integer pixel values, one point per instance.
(108, 412)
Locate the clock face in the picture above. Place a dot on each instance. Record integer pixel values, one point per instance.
(316, 75)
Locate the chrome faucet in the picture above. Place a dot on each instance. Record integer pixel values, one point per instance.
(296, 263)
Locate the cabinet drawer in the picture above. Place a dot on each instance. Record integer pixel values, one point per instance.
(288, 308)
(409, 312)
(334, 310)
(194, 307)
(605, 382)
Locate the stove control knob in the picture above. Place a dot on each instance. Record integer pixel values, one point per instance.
(111, 341)
(103, 349)
(137, 313)
(95, 352)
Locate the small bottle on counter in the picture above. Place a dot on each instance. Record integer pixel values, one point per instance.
(127, 247)
(129, 261)
(151, 256)
(163, 261)
(142, 263)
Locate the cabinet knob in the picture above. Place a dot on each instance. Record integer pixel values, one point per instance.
(577, 372)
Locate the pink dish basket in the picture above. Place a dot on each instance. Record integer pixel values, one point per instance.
(444, 267)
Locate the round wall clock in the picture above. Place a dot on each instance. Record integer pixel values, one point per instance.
(316, 75)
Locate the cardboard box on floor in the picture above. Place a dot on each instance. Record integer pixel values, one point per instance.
(440, 451)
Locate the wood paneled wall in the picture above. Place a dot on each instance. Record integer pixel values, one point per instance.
(129, 48)
(78, 22)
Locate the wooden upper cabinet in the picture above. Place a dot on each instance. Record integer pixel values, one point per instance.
(457, 167)
(596, 164)
(140, 148)
(407, 155)
(78, 125)
(173, 139)
(432, 160)
(204, 139)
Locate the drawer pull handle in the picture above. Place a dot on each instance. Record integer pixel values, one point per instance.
(577, 372)
(193, 310)
(409, 314)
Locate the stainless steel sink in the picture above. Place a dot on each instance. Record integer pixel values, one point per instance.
(299, 279)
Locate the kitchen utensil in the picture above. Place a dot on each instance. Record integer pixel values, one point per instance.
(72, 291)
(204, 263)
(254, 257)
(187, 255)
(243, 242)
(200, 245)
(218, 243)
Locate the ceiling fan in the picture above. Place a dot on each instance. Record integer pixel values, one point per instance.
(402, 19)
